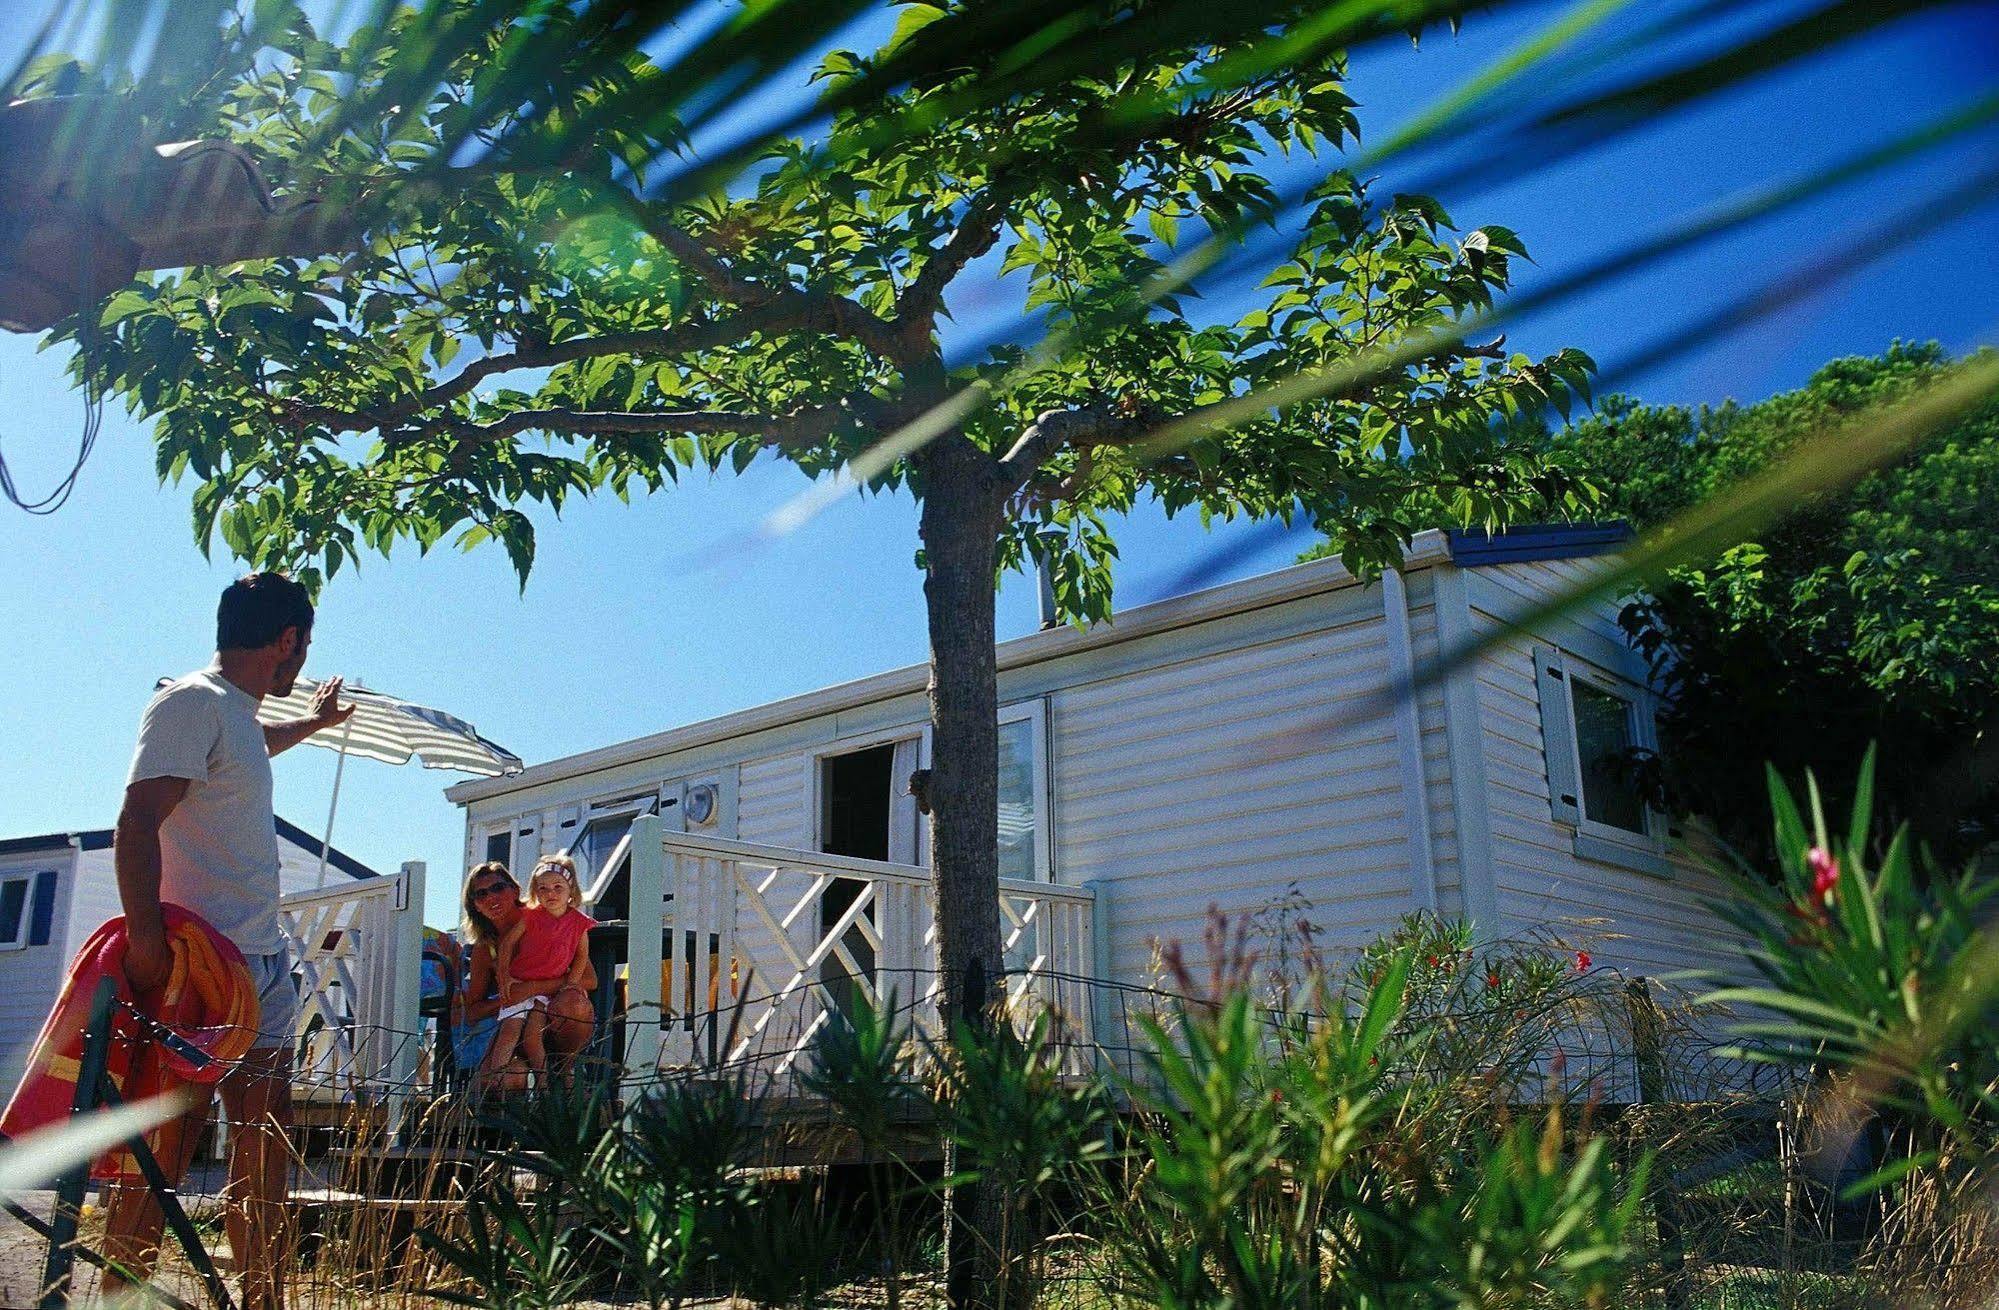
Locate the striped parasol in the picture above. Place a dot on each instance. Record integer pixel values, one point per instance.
(393, 730)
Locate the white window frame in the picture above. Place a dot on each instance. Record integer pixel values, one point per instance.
(1556, 673)
(484, 836)
(918, 732)
(25, 931)
(635, 806)
(1036, 713)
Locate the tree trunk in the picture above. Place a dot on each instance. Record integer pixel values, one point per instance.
(960, 523)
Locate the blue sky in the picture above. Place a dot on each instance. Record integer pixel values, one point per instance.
(643, 616)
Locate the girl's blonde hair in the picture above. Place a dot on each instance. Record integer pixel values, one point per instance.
(563, 865)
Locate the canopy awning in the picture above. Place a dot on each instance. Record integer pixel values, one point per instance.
(393, 730)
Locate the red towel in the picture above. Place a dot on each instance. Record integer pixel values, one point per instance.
(208, 1001)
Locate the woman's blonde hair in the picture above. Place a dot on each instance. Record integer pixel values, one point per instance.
(563, 865)
(476, 927)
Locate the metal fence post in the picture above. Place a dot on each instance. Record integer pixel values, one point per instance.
(61, 1260)
(1648, 1051)
(644, 941)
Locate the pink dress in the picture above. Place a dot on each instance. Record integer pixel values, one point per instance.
(545, 951)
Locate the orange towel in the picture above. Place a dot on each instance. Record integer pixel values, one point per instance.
(208, 1002)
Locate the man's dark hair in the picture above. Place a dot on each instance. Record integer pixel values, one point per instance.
(254, 610)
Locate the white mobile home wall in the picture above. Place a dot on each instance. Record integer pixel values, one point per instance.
(31, 975)
(94, 897)
(1219, 750)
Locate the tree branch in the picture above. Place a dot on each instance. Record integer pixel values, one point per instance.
(652, 343)
(1121, 423)
(916, 309)
(1052, 430)
(828, 312)
(797, 430)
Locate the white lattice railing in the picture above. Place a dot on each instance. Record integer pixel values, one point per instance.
(792, 936)
(357, 953)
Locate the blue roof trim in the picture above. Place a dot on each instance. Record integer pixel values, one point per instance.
(335, 857)
(1475, 547)
(51, 841)
(99, 839)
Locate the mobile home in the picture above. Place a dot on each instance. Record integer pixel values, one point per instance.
(1225, 749)
(56, 888)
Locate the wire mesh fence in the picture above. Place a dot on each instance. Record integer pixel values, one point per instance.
(1744, 1206)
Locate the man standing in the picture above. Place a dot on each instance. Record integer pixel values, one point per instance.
(196, 830)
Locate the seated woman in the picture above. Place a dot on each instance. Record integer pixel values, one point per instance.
(492, 904)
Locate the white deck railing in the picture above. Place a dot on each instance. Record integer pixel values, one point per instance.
(770, 943)
(358, 952)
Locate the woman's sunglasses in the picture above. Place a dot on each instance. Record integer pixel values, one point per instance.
(491, 890)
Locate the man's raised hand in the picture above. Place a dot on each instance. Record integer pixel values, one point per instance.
(327, 711)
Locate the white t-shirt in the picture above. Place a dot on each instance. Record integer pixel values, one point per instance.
(219, 847)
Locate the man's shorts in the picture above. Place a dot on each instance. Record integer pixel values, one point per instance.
(277, 1001)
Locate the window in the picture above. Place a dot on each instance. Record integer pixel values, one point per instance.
(1023, 793)
(595, 845)
(500, 845)
(1605, 736)
(14, 912)
(1591, 724)
(864, 808)
(27, 908)
(604, 845)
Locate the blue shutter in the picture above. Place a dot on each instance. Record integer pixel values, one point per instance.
(42, 912)
(1558, 737)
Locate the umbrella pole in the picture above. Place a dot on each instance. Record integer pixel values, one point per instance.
(326, 842)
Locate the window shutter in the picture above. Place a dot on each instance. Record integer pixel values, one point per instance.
(42, 911)
(1558, 737)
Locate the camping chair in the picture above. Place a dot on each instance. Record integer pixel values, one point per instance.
(444, 1072)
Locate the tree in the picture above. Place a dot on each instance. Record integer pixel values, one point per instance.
(1864, 617)
(610, 340)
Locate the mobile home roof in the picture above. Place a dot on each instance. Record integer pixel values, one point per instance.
(1470, 549)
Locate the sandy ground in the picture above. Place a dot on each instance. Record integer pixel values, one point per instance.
(22, 1253)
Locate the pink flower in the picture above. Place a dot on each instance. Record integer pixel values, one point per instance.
(1582, 961)
(1825, 872)
(1492, 979)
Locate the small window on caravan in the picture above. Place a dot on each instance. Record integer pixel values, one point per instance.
(1023, 793)
(603, 846)
(1606, 733)
(27, 908)
(1591, 723)
(500, 844)
(14, 911)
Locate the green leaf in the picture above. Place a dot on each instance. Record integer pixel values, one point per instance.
(126, 304)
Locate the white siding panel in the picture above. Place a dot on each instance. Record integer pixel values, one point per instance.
(298, 869)
(93, 898)
(774, 800)
(31, 976)
(1224, 780)
(774, 808)
(1640, 922)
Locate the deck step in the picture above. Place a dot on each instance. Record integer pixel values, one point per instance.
(411, 1171)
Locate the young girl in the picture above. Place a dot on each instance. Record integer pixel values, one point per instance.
(549, 942)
